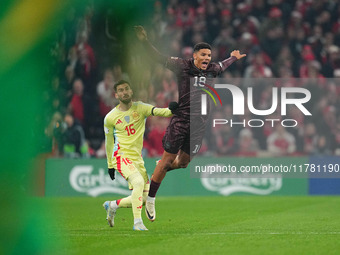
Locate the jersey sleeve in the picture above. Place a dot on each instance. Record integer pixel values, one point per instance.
(172, 63)
(163, 112)
(109, 140)
(175, 64)
(226, 63)
(150, 110)
(154, 53)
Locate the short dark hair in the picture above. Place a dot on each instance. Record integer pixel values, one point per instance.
(201, 45)
(120, 83)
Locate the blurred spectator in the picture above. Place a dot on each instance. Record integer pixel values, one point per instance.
(53, 131)
(224, 42)
(280, 142)
(184, 15)
(212, 20)
(223, 138)
(101, 151)
(322, 146)
(187, 52)
(57, 96)
(118, 74)
(271, 34)
(84, 49)
(311, 139)
(329, 120)
(258, 68)
(247, 146)
(153, 140)
(74, 143)
(168, 90)
(244, 22)
(70, 28)
(86, 62)
(258, 9)
(80, 102)
(331, 62)
(226, 17)
(296, 45)
(297, 26)
(336, 135)
(106, 94)
(248, 42)
(70, 76)
(284, 61)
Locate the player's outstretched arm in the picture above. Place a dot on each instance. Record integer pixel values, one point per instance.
(173, 106)
(165, 112)
(150, 49)
(234, 55)
(150, 110)
(162, 112)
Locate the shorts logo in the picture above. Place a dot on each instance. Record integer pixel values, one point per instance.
(197, 148)
(167, 145)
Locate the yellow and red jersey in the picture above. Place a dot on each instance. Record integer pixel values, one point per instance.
(124, 130)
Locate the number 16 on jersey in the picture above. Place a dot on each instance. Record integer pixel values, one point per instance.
(130, 130)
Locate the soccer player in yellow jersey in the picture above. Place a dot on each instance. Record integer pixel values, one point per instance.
(124, 128)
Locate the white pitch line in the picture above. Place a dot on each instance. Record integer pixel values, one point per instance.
(271, 233)
(215, 233)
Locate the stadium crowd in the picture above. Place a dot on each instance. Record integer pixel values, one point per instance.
(282, 39)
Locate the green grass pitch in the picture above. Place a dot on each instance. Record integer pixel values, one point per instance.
(202, 225)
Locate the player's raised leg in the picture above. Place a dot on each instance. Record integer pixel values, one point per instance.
(162, 167)
(137, 182)
(181, 161)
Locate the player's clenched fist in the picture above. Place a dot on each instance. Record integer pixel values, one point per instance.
(111, 172)
(141, 33)
(173, 106)
(237, 54)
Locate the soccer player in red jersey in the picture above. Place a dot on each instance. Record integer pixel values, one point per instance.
(179, 144)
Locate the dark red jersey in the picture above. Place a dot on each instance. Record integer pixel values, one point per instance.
(187, 76)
